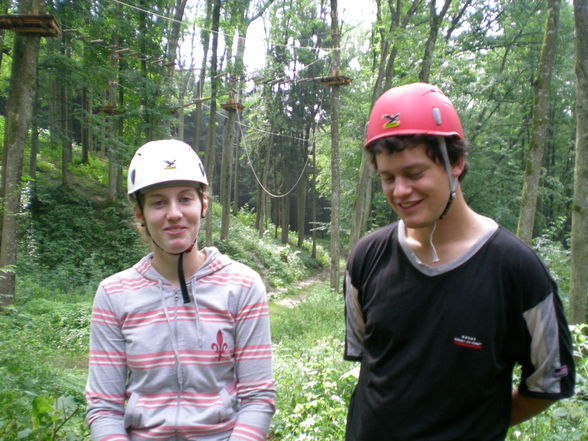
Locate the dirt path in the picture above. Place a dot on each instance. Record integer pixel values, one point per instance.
(303, 288)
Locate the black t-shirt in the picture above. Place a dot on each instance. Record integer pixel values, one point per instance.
(437, 345)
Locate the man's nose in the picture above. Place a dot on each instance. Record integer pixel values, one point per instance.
(401, 188)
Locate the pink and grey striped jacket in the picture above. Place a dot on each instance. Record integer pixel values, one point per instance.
(164, 370)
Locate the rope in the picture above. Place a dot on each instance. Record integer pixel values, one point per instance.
(273, 195)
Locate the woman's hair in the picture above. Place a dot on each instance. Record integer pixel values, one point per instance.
(137, 199)
(456, 148)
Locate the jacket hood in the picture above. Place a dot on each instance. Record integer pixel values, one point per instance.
(214, 261)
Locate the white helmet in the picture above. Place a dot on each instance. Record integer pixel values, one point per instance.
(162, 161)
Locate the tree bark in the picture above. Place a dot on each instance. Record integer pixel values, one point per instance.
(19, 111)
(301, 198)
(579, 276)
(539, 125)
(112, 103)
(211, 141)
(435, 21)
(335, 161)
(205, 39)
(225, 178)
(175, 35)
(65, 123)
(285, 219)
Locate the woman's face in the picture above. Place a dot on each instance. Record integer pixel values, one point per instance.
(172, 217)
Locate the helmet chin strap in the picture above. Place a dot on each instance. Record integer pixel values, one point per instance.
(181, 277)
(180, 267)
(452, 189)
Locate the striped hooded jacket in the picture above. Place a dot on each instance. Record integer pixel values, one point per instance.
(161, 369)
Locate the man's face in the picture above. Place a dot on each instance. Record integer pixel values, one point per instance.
(416, 187)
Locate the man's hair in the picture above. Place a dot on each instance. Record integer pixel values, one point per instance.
(456, 148)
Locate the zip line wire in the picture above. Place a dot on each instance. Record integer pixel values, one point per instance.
(273, 195)
(120, 2)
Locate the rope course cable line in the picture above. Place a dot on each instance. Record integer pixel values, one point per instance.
(328, 49)
(257, 179)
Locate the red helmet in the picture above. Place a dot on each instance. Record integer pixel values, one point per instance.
(413, 109)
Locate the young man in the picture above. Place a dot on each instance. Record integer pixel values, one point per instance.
(441, 305)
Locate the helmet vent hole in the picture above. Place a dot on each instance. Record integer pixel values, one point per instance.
(437, 116)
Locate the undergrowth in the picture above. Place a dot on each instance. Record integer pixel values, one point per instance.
(68, 243)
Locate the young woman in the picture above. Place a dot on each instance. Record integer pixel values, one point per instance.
(180, 344)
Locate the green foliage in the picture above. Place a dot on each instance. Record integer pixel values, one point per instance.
(313, 383)
(279, 264)
(555, 255)
(42, 370)
(50, 420)
(73, 240)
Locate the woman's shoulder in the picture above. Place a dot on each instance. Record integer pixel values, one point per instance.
(136, 272)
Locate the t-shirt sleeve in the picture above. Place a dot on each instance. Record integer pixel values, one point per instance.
(546, 357)
(354, 320)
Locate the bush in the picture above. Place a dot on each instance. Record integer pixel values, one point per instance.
(71, 241)
(312, 380)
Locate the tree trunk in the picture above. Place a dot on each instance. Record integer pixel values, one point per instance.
(335, 170)
(85, 122)
(435, 21)
(211, 141)
(34, 143)
(175, 35)
(236, 173)
(301, 198)
(579, 276)
(66, 143)
(263, 203)
(285, 218)
(225, 178)
(19, 109)
(539, 125)
(200, 84)
(112, 103)
(313, 200)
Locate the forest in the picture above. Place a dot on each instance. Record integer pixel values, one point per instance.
(274, 96)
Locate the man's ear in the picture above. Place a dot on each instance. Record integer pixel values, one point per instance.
(458, 167)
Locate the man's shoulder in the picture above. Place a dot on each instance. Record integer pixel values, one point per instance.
(511, 245)
(379, 235)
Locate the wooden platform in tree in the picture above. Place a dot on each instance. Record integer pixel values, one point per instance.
(233, 105)
(43, 25)
(340, 80)
(110, 110)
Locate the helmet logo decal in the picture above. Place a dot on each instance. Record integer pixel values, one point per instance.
(171, 165)
(392, 121)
